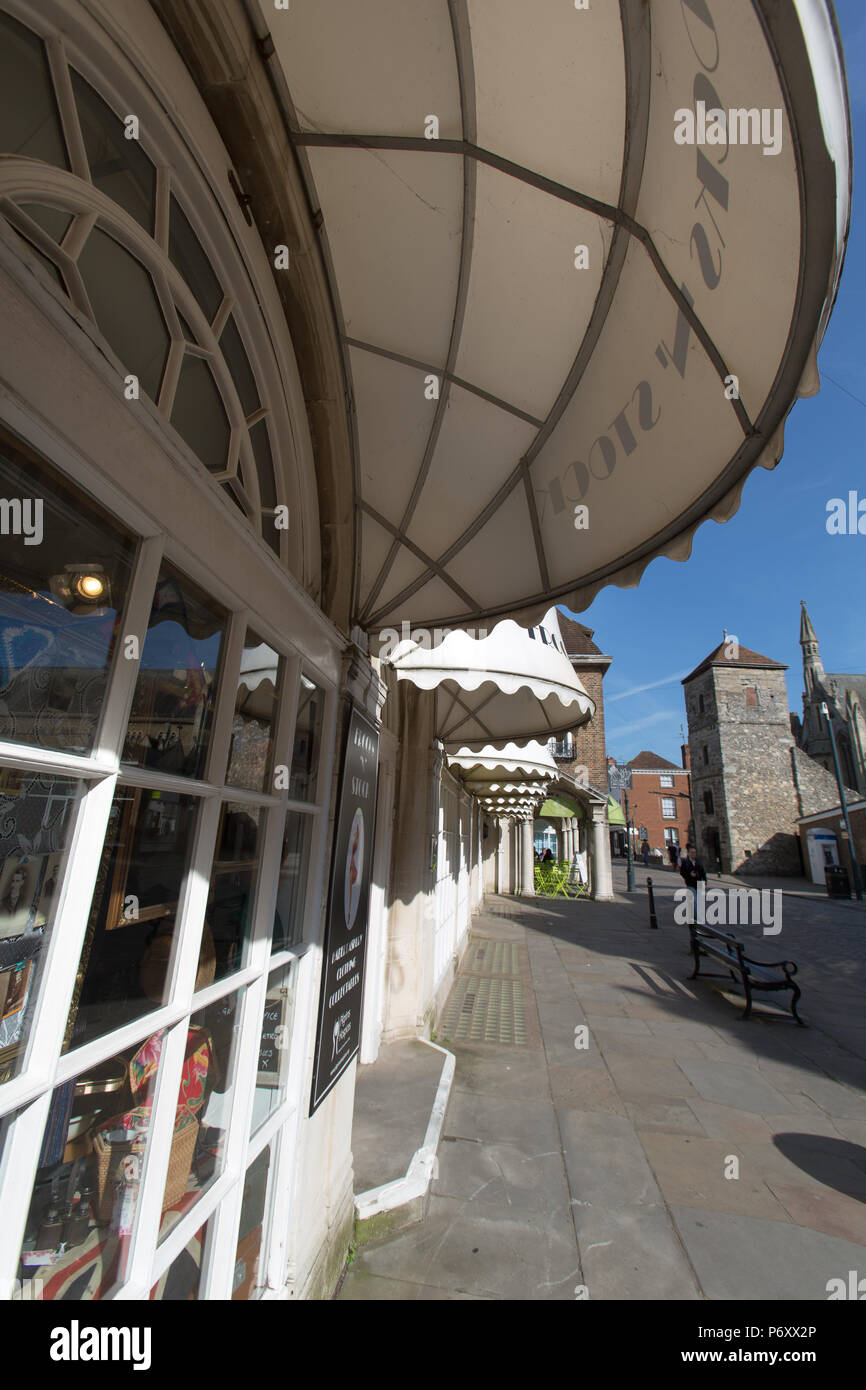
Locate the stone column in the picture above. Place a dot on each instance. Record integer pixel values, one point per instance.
(527, 857)
(602, 879)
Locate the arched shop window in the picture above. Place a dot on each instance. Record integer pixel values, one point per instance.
(105, 223)
(164, 749)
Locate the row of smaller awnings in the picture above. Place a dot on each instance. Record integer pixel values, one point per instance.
(508, 781)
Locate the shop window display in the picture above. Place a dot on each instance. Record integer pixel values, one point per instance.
(125, 962)
(255, 714)
(37, 818)
(85, 1197)
(172, 709)
(273, 1062)
(204, 1109)
(229, 915)
(250, 1248)
(291, 887)
(308, 739)
(63, 584)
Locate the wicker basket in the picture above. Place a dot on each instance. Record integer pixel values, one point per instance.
(109, 1163)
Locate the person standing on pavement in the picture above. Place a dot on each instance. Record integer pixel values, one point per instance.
(693, 873)
(645, 850)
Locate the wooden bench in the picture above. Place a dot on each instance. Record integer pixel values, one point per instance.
(763, 975)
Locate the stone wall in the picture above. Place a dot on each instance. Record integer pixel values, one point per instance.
(741, 754)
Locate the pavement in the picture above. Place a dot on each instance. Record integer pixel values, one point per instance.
(636, 1139)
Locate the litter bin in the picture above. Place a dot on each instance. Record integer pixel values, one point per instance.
(836, 879)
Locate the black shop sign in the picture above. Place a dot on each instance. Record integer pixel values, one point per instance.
(338, 1033)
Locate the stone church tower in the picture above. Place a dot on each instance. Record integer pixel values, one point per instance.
(741, 748)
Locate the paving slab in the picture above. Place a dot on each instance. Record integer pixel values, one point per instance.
(691, 1172)
(632, 1252)
(589, 1088)
(743, 1257)
(485, 1249)
(736, 1084)
(393, 1100)
(604, 1160)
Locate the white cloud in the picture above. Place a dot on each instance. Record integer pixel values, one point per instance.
(621, 730)
(652, 685)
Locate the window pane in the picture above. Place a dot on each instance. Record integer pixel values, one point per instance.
(52, 220)
(119, 167)
(204, 1108)
(308, 737)
(255, 712)
(37, 818)
(64, 574)
(124, 967)
(172, 709)
(232, 887)
(87, 1184)
(274, 1045)
(186, 251)
(261, 443)
(239, 366)
(250, 1249)
(292, 885)
(199, 415)
(126, 308)
(181, 1280)
(29, 124)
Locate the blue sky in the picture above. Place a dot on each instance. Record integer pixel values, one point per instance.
(749, 575)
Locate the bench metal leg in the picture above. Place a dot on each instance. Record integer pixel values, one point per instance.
(747, 1012)
(794, 997)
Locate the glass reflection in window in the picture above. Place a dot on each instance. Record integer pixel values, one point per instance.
(87, 1186)
(172, 709)
(273, 1062)
(292, 883)
(250, 1248)
(124, 967)
(229, 916)
(308, 739)
(64, 574)
(37, 817)
(255, 713)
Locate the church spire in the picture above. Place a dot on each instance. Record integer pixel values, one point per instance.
(813, 670)
(807, 632)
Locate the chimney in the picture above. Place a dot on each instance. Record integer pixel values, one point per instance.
(686, 756)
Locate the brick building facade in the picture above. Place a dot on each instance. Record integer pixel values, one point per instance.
(659, 801)
(584, 747)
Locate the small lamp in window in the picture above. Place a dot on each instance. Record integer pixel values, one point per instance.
(83, 589)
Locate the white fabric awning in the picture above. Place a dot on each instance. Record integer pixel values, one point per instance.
(492, 790)
(533, 762)
(517, 683)
(542, 292)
